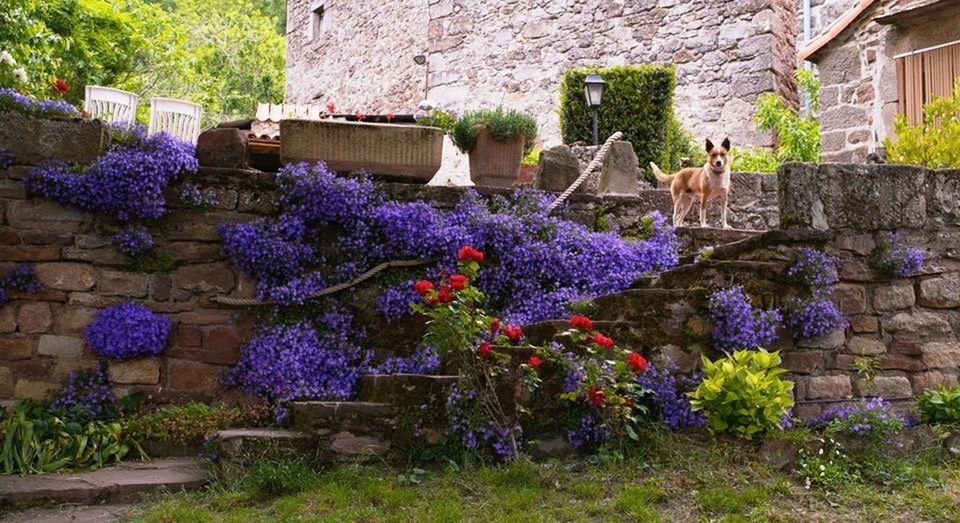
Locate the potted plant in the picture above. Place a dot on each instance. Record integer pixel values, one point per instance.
(496, 141)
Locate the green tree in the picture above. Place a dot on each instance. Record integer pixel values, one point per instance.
(933, 142)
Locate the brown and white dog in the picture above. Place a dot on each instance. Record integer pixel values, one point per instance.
(707, 182)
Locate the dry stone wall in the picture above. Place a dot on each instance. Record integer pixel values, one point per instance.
(514, 52)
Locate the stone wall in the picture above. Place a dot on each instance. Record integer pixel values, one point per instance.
(911, 324)
(513, 53)
(859, 78)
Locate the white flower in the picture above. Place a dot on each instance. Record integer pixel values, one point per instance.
(20, 74)
(821, 452)
(7, 58)
(822, 468)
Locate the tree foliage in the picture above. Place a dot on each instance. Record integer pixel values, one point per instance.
(224, 54)
(934, 142)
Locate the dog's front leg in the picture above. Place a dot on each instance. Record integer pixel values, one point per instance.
(703, 211)
(723, 211)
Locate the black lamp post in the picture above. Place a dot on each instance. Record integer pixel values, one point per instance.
(593, 88)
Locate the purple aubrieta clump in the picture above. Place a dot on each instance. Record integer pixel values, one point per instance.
(395, 302)
(475, 430)
(873, 419)
(814, 270)
(736, 325)
(86, 395)
(538, 262)
(589, 434)
(814, 318)
(132, 241)
(127, 182)
(22, 278)
(668, 395)
(289, 362)
(894, 258)
(127, 331)
(11, 100)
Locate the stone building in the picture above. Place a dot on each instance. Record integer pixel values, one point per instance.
(361, 54)
(878, 59)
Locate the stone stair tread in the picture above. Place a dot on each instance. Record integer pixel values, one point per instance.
(126, 482)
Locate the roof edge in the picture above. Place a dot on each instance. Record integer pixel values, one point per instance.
(834, 30)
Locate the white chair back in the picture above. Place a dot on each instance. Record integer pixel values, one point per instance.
(110, 105)
(177, 117)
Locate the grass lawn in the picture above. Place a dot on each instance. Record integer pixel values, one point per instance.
(674, 477)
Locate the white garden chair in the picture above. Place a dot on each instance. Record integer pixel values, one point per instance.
(110, 105)
(177, 117)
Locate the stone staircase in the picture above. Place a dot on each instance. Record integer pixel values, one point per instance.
(661, 316)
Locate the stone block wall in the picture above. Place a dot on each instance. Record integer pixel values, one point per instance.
(514, 52)
(912, 325)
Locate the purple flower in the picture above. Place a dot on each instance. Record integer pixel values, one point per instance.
(22, 278)
(590, 434)
(127, 331)
(469, 422)
(424, 361)
(668, 395)
(736, 325)
(192, 196)
(814, 270)
(395, 302)
(86, 395)
(132, 241)
(815, 318)
(895, 259)
(302, 361)
(6, 159)
(11, 100)
(126, 182)
(873, 419)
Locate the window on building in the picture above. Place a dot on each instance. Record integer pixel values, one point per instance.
(924, 75)
(319, 20)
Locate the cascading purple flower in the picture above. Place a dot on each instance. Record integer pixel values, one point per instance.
(736, 325)
(22, 278)
(127, 331)
(896, 259)
(814, 270)
(815, 318)
(589, 434)
(133, 240)
(668, 395)
(86, 395)
(126, 182)
(11, 100)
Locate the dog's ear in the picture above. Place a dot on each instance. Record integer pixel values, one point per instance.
(726, 144)
(709, 146)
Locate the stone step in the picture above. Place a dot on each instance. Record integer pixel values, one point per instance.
(349, 429)
(753, 275)
(695, 238)
(125, 483)
(404, 389)
(235, 444)
(775, 245)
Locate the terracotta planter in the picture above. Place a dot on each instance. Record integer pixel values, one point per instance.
(404, 152)
(493, 163)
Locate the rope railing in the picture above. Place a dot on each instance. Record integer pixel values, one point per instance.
(592, 166)
(252, 302)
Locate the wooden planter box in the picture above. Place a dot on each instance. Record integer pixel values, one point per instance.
(493, 163)
(406, 152)
(36, 140)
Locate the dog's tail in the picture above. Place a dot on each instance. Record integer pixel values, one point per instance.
(664, 178)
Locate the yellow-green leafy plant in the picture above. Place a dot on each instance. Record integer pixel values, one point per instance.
(934, 142)
(743, 394)
(940, 406)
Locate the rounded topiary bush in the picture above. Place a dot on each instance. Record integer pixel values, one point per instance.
(127, 331)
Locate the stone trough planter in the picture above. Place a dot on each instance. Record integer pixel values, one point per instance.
(35, 140)
(493, 163)
(403, 152)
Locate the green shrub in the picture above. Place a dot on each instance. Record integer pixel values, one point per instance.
(940, 406)
(798, 136)
(191, 423)
(439, 118)
(743, 394)
(37, 441)
(531, 158)
(638, 100)
(934, 142)
(682, 144)
(504, 126)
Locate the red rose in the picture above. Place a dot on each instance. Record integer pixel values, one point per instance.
(389, 117)
(628, 403)
(578, 321)
(602, 340)
(468, 253)
(331, 108)
(423, 287)
(444, 295)
(485, 349)
(61, 86)
(433, 301)
(458, 282)
(361, 117)
(596, 397)
(495, 325)
(535, 361)
(514, 332)
(638, 362)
